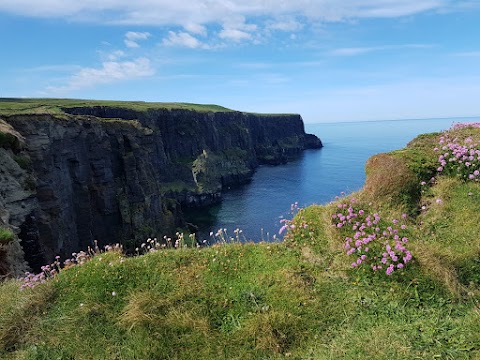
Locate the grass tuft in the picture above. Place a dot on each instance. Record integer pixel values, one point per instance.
(6, 236)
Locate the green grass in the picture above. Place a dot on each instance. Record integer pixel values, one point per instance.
(6, 235)
(10, 106)
(299, 299)
(32, 106)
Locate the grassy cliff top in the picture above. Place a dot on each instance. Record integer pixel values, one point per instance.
(12, 106)
(409, 289)
(9, 106)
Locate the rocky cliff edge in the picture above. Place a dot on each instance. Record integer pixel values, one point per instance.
(72, 174)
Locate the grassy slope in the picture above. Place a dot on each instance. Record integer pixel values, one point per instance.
(298, 299)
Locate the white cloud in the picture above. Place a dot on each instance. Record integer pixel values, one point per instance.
(201, 12)
(196, 29)
(239, 20)
(183, 39)
(234, 34)
(115, 55)
(110, 71)
(388, 9)
(236, 29)
(132, 38)
(285, 24)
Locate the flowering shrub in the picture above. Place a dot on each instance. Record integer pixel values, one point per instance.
(296, 228)
(459, 157)
(288, 223)
(370, 240)
(222, 237)
(30, 280)
(458, 126)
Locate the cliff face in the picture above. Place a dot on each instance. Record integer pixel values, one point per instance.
(114, 174)
(16, 197)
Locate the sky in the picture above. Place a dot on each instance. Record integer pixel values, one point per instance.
(329, 60)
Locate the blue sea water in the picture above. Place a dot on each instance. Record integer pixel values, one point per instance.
(316, 177)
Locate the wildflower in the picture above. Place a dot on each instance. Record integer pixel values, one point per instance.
(376, 236)
(390, 269)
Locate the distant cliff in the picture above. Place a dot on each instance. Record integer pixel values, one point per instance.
(114, 173)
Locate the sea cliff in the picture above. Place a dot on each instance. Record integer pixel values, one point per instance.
(75, 172)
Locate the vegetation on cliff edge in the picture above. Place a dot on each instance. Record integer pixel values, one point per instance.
(308, 297)
(32, 106)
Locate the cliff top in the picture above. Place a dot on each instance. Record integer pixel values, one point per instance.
(29, 106)
(9, 106)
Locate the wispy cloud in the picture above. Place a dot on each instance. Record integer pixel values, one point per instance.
(284, 24)
(237, 29)
(196, 29)
(108, 72)
(195, 16)
(132, 38)
(353, 51)
(253, 21)
(117, 54)
(234, 34)
(164, 12)
(183, 39)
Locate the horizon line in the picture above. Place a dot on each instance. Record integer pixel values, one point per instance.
(404, 119)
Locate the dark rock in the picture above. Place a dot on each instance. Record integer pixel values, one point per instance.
(116, 174)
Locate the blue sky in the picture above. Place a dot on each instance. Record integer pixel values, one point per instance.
(329, 60)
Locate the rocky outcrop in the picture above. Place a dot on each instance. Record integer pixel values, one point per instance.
(16, 198)
(117, 174)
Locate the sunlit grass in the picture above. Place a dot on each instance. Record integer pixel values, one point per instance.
(299, 299)
(54, 106)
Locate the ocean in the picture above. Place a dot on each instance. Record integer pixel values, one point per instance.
(316, 177)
